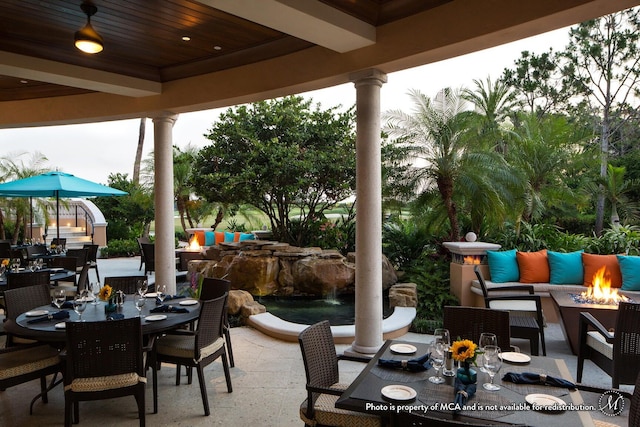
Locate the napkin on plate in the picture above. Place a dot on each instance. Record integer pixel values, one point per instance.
(115, 316)
(463, 392)
(532, 378)
(66, 304)
(58, 315)
(170, 297)
(168, 309)
(414, 365)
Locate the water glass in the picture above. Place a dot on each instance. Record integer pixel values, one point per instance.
(140, 301)
(59, 297)
(437, 349)
(94, 288)
(143, 287)
(79, 304)
(492, 361)
(161, 292)
(486, 339)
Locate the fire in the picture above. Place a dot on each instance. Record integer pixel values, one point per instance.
(601, 291)
(472, 259)
(193, 244)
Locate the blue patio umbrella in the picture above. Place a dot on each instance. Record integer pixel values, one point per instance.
(56, 185)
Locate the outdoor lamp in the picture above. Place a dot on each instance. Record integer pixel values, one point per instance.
(87, 39)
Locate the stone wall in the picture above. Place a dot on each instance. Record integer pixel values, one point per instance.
(271, 268)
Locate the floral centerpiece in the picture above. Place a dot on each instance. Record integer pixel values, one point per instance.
(106, 294)
(465, 353)
(196, 284)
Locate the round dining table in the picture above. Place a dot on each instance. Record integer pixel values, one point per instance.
(51, 331)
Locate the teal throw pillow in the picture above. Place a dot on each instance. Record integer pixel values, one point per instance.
(503, 266)
(229, 236)
(247, 236)
(209, 238)
(630, 269)
(566, 268)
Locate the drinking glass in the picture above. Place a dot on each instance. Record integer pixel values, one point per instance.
(79, 304)
(486, 339)
(139, 301)
(492, 361)
(444, 336)
(15, 264)
(161, 292)
(437, 349)
(94, 288)
(59, 297)
(143, 287)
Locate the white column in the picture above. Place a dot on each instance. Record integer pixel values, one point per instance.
(368, 338)
(163, 178)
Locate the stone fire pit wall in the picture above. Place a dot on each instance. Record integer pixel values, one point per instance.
(272, 268)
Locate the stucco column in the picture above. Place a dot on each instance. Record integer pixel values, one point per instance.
(368, 337)
(163, 178)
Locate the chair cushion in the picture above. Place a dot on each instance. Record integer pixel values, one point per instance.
(21, 362)
(503, 266)
(533, 266)
(597, 342)
(327, 414)
(565, 268)
(91, 384)
(592, 264)
(630, 269)
(513, 305)
(184, 346)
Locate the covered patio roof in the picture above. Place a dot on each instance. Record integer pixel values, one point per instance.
(239, 50)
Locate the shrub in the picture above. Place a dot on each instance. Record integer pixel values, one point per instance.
(120, 248)
(404, 241)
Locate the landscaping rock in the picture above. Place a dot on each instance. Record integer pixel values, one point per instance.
(403, 295)
(236, 300)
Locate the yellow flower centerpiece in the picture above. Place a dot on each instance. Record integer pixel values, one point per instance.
(5, 262)
(105, 293)
(465, 352)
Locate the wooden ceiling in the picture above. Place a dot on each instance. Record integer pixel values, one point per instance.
(144, 38)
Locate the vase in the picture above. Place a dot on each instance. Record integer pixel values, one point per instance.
(110, 307)
(466, 374)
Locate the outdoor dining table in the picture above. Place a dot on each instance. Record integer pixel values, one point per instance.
(47, 331)
(56, 274)
(506, 405)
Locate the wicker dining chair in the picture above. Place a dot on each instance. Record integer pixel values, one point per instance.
(21, 300)
(618, 352)
(149, 251)
(214, 288)
(194, 349)
(92, 257)
(104, 360)
(128, 284)
(142, 240)
(21, 280)
(81, 256)
(470, 322)
(68, 263)
(323, 381)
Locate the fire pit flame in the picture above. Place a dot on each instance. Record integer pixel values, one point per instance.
(601, 292)
(472, 259)
(194, 245)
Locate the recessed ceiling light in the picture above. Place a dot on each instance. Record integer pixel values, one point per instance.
(217, 48)
(186, 38)
(24, 82)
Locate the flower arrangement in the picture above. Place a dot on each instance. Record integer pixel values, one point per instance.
(5, 262)
(196, 284)
(464, 351)
(105, 293)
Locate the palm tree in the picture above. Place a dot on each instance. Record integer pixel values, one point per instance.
(616, 190)
(446, 160)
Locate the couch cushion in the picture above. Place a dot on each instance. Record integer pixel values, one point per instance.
(566, 268)
(533, 266)
(503, 266)
(592, 264)
(200, 236)
(630, 270)
(209, 238)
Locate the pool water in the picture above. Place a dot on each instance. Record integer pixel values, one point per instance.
(338, 311)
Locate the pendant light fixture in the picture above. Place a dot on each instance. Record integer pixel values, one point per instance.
(87, 39)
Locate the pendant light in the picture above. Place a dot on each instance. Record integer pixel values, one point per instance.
(87, 39)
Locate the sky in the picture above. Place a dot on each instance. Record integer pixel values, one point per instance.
(93, 151)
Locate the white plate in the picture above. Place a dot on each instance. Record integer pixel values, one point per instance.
(513, 357)
(398, 392)
(54, 269)
(156, 317)
(545, 401)
(35, 313)
(150, 295)
(61, 325)
(403, 348)
(189, 302)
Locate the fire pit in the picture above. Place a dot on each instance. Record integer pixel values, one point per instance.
(600, 292)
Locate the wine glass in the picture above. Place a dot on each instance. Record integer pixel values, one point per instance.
(161, 293)
(486, 339)
(140, 300)
(444, 336)
(59, 297)
(492, 361)
(80, 303)
(94, 288)
(437, 349)
(15, 264)
(143, 287)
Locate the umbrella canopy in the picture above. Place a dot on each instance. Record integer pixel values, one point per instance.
(56, 184)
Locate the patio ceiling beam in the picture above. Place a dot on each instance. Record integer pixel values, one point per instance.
(43, 70)
(309, 20)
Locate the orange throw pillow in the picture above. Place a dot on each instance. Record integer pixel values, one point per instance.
(219, 236)
(533, 266)
(592, 264)
(200, 236)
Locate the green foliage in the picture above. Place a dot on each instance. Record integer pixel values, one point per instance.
(278, 156)
(617, 240)
(120, 248)
(404, 241)
(534, 237)
(339, 234)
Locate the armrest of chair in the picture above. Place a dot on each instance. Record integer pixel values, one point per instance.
(325, 390)
(522, 288)
(587, 320)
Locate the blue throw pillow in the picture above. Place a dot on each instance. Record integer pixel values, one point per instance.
(566, 268)
(630, 269)
(247, 236)
(229, 236)
(503, 266)
(209, 238)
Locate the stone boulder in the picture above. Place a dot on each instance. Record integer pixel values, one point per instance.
(236, 299)
(403, 295)
(323, 276)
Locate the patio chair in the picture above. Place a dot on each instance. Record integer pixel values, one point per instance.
(142, 240)
(526, 319)
(149, 251)
(104, 360)
(83, 279)
(92, 257)
(470, 322)
(81, 256)
(21, 300)
(34, 250)
(68, 263)
(615, 352)
(214, 288)
(5, 249)
(127, 284)
(60, 242)
(19, 365)
(23, 279)
(634, 410)
(323, 381)
(194, 349)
